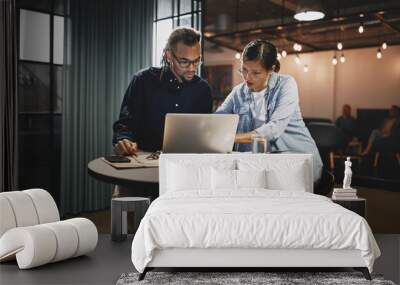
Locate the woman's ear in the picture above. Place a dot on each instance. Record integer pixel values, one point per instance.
(168, 56)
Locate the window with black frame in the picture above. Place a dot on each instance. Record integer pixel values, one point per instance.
(40, 76)
(169, 14)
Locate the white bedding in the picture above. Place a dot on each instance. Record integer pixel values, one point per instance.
(251, 218)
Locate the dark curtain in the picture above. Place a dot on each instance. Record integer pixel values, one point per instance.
(8, 96)
(106, 42)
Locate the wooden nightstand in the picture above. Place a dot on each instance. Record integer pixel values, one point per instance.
(358, 205)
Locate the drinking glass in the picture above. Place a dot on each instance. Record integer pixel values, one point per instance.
(258, 143)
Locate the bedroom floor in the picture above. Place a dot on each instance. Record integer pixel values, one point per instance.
(110, 259)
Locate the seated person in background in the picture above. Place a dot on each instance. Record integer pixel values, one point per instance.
(347, 124)
(389, 132)
(154, 92)
(268, 104)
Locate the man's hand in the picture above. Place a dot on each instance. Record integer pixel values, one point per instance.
(125, 147)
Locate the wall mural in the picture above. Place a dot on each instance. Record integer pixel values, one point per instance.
(220, 79)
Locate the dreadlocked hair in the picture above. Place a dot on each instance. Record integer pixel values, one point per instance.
(188, 36)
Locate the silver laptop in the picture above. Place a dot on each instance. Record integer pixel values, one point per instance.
(199, 133)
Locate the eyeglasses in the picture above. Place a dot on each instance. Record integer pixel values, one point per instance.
(154, 156)
(185, 63)
(252, 74)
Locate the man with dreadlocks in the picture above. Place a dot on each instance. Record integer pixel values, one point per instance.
(154, 92)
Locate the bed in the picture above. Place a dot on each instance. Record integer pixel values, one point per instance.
(247, 210)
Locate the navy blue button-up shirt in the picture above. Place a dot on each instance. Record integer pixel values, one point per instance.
(152, 94)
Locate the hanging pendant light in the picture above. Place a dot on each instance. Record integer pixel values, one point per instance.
(361, 28)
(237, 55)
(284, 53)
(309, 11)
(379, 54)
(309, 15)
(297, 47)
(334, 60)
(339, 46)
(342, 58)
(384, 45)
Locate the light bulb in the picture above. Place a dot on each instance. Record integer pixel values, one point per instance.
(342, 58)
(278, 56)
(284, 53)
(237, 55)
(361, 28)
(299, 47)
(384, 45)
(305, 68)
(309, 15)
(334, 60)
(339, 46)
(297, 59)
(379, 54)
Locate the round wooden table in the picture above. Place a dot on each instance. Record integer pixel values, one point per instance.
(102, 171)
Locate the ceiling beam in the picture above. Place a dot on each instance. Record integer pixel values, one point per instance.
(357, 46)
(288, 4)
(295, 25)
(386, 23)
(303, 43)
(225, 45)
(333, 42)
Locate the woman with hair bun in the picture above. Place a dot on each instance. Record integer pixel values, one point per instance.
(268, 104)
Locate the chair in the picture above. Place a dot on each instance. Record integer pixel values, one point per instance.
(326, 184)
(328, 139)
(388, 146)
(378, 157)
(31, 231)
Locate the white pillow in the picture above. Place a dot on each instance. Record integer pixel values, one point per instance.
(281, 174)
(292, 179)
(185, 174)
(223, 179)
(251, 178)
(226, 179)
(182, 177)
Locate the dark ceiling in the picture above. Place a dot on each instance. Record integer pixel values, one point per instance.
(233, 23)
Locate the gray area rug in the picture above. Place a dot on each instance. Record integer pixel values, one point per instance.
(229, 278)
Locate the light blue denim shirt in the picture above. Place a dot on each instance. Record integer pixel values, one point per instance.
(283, 127)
